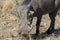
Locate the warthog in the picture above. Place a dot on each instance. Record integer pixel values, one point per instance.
(41, 7)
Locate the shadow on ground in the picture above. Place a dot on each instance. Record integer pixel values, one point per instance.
(56, 33)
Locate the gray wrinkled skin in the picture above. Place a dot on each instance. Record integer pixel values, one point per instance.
(45, 5)
(41, 7)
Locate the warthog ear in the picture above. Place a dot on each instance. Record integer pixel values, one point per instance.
(26, 3)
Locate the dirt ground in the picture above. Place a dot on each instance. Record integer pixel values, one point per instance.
(9, 24)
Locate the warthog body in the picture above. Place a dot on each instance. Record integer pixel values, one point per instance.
(41, 7)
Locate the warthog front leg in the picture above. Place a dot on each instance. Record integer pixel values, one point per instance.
(52, 16)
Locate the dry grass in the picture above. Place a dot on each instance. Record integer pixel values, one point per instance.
(9, 25)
